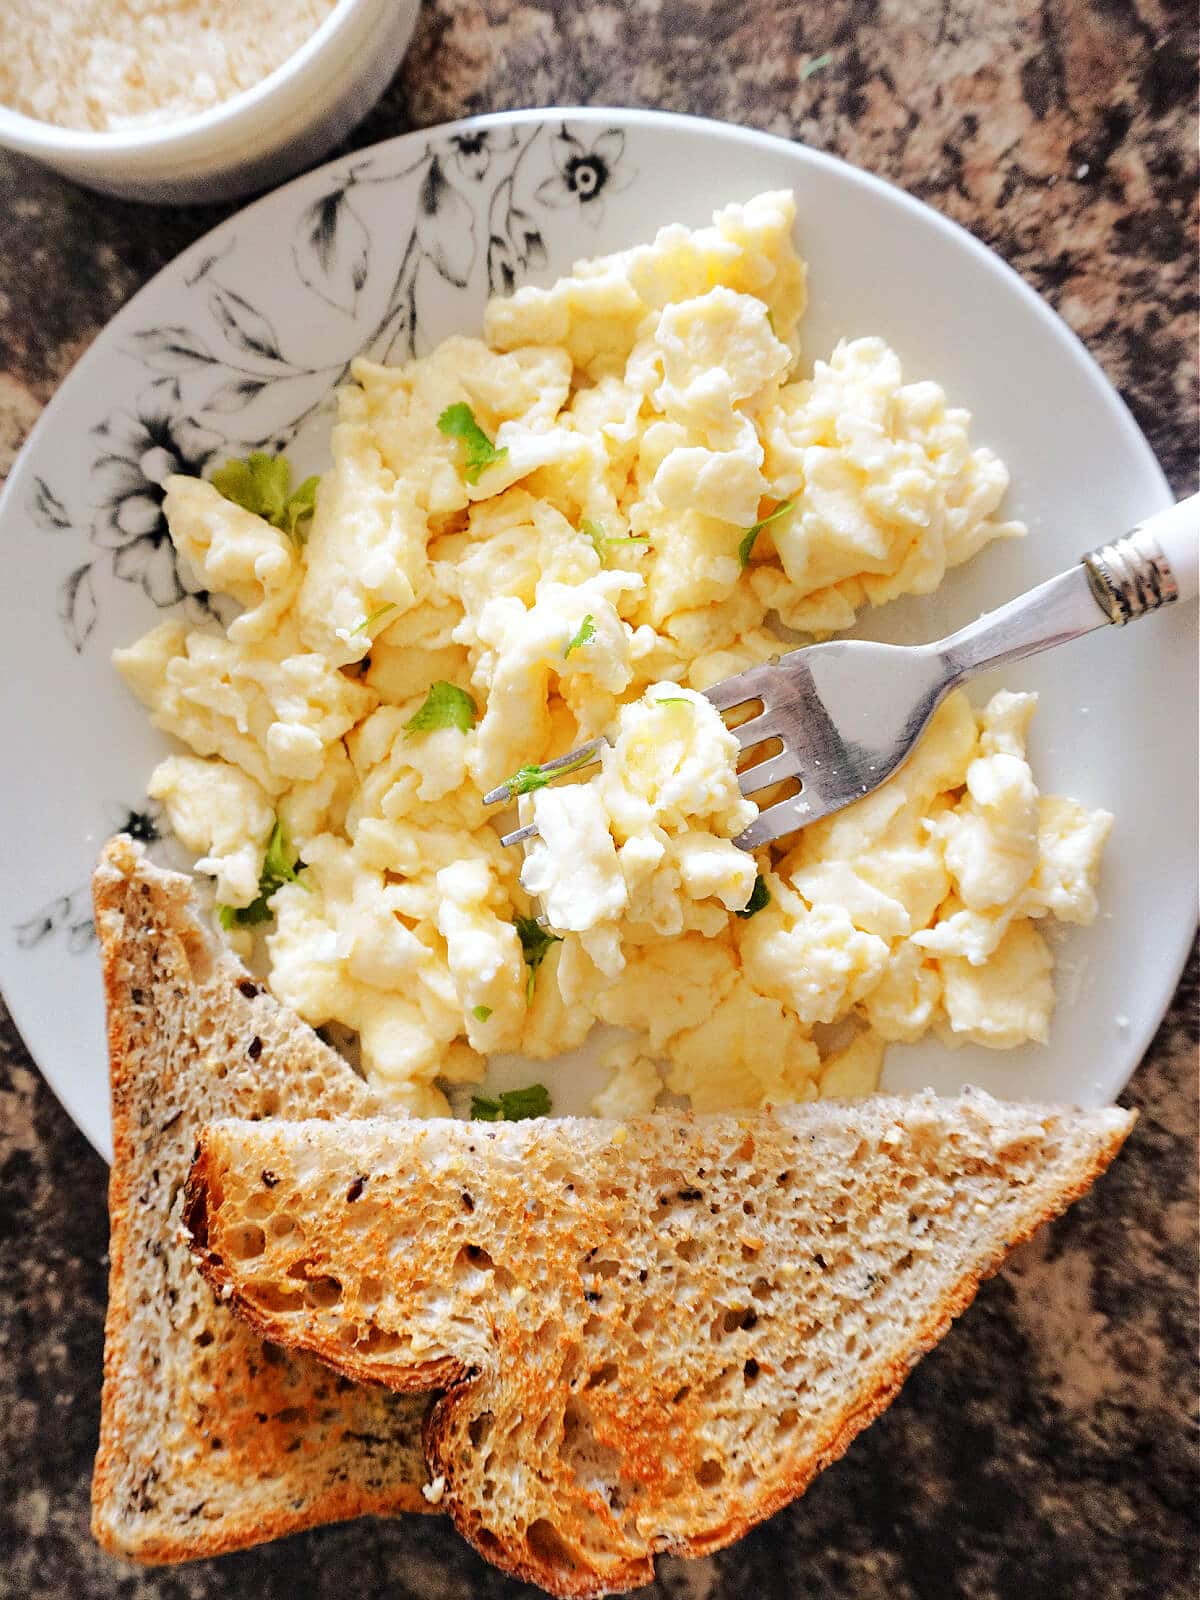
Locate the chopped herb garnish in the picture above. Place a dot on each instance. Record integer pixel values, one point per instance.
(601, 541)
(526, 779)
(458, 422)
(446, 706)
(263, 484)
(280, 865)
(512, 1105)
(535, 942)
(815, 65)
(752, 533)
(244, 916)
(369, 622)
(673, 700)
(760, 896)
(586, 633)
(301, 504)
(481, 1013)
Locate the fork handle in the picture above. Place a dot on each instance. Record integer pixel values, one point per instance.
(1153, 566)
(1159, 555)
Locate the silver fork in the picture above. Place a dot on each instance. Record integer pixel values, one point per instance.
(849, 712)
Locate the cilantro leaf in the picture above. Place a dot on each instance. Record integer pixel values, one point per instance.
(526, 779)
(301, 504)
(601, 541)
(586, 633)
(446, 706)
(481, 1013)
(258, 482)
(535, 942)
(280, 865)
(369, 622)
(263, 484)
(512, 1105)
(244, 916)
(760, 896)
(752, 533)
(458, 422)
(279, 862)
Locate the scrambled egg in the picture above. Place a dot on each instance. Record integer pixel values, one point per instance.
(655, 485)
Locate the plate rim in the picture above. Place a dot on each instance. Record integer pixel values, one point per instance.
(1180, 940)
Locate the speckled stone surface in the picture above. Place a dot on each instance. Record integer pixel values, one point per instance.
(1049, 1448)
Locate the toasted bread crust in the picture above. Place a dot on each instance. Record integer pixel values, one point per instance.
(803, 1469)
(509, 1366)
(202, 1186)
(425, 1378)
(124, 878)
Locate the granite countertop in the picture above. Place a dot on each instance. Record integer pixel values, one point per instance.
(1049, 1447)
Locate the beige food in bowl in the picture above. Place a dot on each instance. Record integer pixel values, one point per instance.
(108, 66)
(186, 101)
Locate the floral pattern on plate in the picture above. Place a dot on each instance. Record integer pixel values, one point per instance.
(234, 378)
(70, 915)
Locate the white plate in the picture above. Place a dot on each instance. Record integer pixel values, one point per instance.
(239, 343)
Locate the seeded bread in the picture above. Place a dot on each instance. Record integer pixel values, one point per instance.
(209, 1439)
(651, 1335)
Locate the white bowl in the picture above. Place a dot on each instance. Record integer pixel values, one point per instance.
(257, 138)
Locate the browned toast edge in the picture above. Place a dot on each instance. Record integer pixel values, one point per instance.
(582, 1585)
(121, 867)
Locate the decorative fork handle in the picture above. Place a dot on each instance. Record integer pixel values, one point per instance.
(1152, 566)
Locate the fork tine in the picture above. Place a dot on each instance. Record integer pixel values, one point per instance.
(573, 760)
(592, 748)
(785, 817)
(785, 765)
(762, 727)
(519, 835)
(743, 686)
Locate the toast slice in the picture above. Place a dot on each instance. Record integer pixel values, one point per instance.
(209, 1439)
(652, 1335)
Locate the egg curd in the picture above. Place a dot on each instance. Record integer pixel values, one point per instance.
(618, 496)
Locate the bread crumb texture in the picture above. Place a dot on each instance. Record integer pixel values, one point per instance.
(209, 1439)
(108, 65)
(647, 1346)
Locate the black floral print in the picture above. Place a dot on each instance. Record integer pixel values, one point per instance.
(472, 153)
(445, 228)
(219, 379)
(515, 243)
(69, 916)
(331, 249)
(145, 826)
(585, 176)
(223, 381)
(143, 451)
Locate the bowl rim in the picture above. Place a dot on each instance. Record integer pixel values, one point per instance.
(35, 137)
